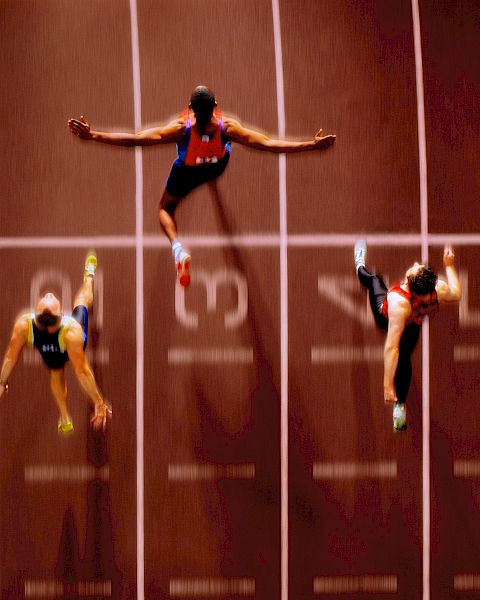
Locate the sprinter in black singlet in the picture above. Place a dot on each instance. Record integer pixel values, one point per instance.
(58, 339)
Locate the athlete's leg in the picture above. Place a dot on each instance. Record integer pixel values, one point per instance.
(168, 204)
(377, 292)
(84, 296)
(403, 374)
(59, 390)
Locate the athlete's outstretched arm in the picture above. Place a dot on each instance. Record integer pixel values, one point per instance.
(450, 290)
(396, 326)
(168, 134)
(18, 340)
(76, 354)
(236, 132)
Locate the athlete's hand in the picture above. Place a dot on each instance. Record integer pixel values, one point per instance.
(389, 395)
(80, 128)
(448, 256)
(322, 142)
(103, 411)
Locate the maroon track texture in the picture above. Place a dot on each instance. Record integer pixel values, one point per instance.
(212, 434)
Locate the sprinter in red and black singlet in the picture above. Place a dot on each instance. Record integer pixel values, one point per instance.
(400, 311)
(203, 139)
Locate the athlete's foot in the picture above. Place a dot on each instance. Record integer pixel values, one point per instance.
(90, 264)
(183, 269)
(360, 254)
(399, 416)
(65, 427)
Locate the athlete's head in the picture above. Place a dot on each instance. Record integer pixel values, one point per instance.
(49, 311)
(202, 102)
(421, 279)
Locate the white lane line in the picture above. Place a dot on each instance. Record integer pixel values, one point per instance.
(282, 185)
(422, 164)
(346, 354)
(194, 587)
(137, 104)
(207, 356)
(65, 473)
(261, 240)
(378, 469)
(52, 588)
(355, 584)
(466, 582)
(209, 471)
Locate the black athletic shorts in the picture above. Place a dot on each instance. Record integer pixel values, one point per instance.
(183, 179)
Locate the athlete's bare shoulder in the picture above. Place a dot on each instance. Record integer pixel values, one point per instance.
(398, 304)
(21, 325)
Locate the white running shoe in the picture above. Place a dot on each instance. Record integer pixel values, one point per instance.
(360, 253)
(183, 269)
(399, 416)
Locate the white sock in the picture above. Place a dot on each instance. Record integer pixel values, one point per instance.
(177, 249)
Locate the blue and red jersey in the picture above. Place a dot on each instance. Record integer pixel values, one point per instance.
(200, 150)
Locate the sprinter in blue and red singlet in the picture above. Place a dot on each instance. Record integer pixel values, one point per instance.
(400, 311)
(203, 140)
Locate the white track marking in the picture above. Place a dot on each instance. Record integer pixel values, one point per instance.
(282, 186)
(208, 356)
(422, 164)
(261, 240)
(346, 354)
(65, 473)
(137, 104)
(194, 587)
(466, 468)
(209, 471)
(466, 582)
(378, 469)
(52, 588)
(355, 584)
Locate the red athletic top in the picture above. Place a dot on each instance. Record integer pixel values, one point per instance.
(199, 150)
(419, 309)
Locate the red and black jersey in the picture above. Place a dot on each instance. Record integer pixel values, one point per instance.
(419, 309)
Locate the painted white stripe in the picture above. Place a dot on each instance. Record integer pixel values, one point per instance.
(209, 471)
(463, 353)
(422, 164)
(68, 473)
(466, 468)
(52, 588)
(355, 584)
(466, 582)
(261, 240)
(346, 354)
(217, 356)
(282, 185)
(137, 104)
(379, 469)
(192, 587)
(101, 241)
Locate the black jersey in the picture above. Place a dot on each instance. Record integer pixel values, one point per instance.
(50, 345)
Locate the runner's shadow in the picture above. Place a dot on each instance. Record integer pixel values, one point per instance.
(261, 439)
